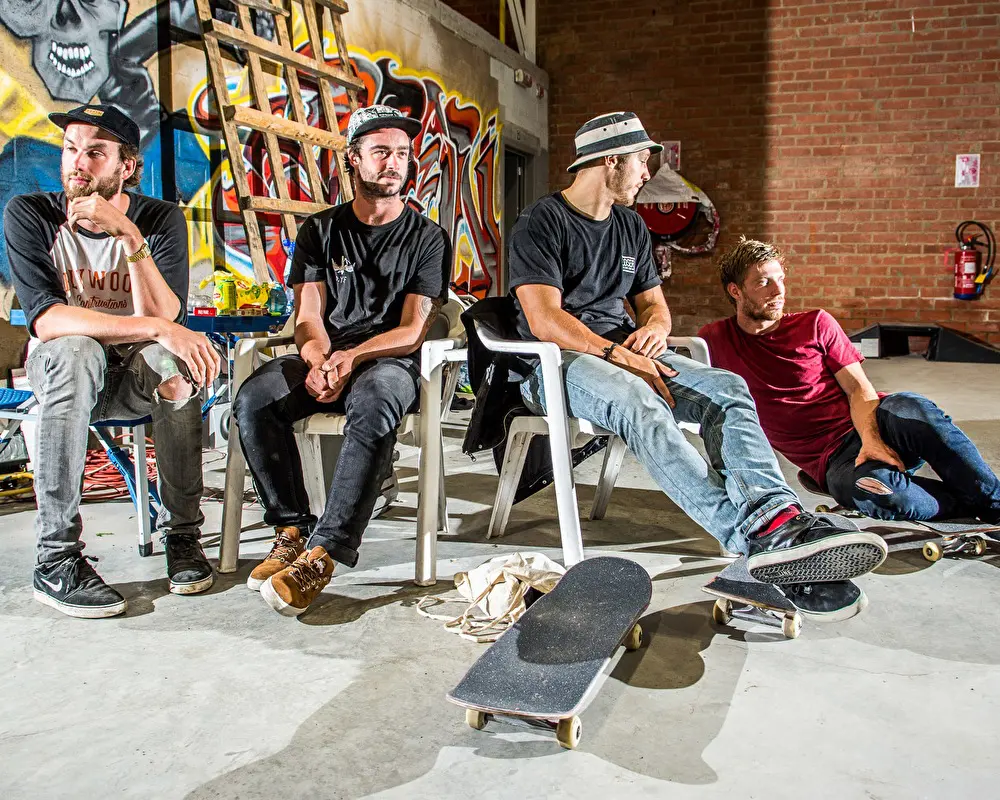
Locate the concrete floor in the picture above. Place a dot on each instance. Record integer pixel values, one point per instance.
(217, 696)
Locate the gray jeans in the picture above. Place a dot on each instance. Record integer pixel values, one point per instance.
(77, 381)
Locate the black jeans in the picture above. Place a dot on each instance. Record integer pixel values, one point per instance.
(918, 431)
(379, 393)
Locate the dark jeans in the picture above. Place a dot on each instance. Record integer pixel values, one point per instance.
(379, 393)
(918, 431)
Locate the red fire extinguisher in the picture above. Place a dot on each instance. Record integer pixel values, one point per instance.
(971, 271)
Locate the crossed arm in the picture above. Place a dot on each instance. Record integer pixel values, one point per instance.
(156, 305)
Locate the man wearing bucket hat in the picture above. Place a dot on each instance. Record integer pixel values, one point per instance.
(369, 278)
(575, 256)
(101, 273)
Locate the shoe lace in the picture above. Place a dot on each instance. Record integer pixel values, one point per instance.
(307, 574)
(82, 570)
(184, 546)
(285, 548)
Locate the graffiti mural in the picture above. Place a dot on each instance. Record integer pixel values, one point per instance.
(85, 49)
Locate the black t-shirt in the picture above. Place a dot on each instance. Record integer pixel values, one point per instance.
(50, 264)
(596, 264)
(369, 269)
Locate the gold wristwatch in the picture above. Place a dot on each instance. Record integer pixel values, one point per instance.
(140, 254)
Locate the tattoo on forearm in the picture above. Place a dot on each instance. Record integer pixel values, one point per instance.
(430, 307)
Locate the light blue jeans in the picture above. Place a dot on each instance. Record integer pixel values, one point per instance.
(736, 492)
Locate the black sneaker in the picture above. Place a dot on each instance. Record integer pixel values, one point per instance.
(187, 566)
(73, 587)
(830, 602)
(814, 548)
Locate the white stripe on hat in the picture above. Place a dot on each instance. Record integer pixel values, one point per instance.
(609, 131)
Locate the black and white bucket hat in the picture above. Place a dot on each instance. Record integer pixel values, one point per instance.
(614, 134)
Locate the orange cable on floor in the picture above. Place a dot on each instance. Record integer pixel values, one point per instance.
(103, 481)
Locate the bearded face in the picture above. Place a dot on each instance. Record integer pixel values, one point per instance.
(629, 174)
(762, 296)
(70, 41)
(80, 184)
(381, 161)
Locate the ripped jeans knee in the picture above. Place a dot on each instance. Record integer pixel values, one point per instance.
(881, 493)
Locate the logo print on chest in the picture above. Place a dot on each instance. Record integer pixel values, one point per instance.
(628, 263)
(345, 266)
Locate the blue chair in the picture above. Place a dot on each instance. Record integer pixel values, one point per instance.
(17, 405)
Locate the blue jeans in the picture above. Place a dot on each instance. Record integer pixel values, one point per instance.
(737, 492)
(918, 431)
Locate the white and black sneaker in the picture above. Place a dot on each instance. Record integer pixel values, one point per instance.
(833, 601)
(814, 548)
(187, 567)
(72, 586)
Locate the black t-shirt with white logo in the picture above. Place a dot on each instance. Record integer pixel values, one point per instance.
(369, 269)
(595, 264)
(50, 264)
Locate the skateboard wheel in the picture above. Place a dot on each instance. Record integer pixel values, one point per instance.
(932, 551)
(568, 732)
(980, 545)
(720, 612)
(633, 641)
(475, 719)
(791, 625)
(823, 509)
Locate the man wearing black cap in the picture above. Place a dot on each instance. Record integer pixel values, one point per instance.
(102, 275)
(575, 256)
(369, 278)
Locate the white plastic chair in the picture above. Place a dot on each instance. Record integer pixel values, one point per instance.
(442, 347)
(565, 433)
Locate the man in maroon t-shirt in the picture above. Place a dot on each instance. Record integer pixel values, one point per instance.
(819, 410)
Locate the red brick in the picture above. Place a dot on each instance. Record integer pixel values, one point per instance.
(829, 127)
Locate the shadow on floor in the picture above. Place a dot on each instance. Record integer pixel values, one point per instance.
(333, 608)
(352, 754)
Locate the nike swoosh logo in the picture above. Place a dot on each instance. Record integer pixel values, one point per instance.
(55, 587)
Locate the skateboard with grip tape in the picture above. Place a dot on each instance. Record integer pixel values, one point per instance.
(544, 670)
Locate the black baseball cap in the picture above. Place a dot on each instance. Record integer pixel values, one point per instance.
(107, 118)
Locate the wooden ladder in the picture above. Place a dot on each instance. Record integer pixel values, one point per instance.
(293, 126)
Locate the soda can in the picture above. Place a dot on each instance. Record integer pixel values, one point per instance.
(224, 296)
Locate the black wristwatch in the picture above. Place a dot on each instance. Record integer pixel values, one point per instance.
(609, 350)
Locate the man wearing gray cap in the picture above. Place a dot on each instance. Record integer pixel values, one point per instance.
(369, 278)
(102, 275)
(575, 256)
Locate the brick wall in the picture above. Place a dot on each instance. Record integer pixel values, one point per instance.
(485, 13)
(830, 128)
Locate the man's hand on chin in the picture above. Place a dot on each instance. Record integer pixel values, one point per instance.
(98, 211)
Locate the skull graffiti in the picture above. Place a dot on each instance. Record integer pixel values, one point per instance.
(70, 41)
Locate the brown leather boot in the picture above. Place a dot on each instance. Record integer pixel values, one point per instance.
(292, 590)
(288, 546)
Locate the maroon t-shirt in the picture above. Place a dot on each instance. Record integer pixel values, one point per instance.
(790, 371)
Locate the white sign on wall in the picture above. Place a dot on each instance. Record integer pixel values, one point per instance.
(967, 171)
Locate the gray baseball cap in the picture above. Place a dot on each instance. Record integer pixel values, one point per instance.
(373, 118)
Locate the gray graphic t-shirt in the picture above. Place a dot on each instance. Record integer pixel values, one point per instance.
(51, 264)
